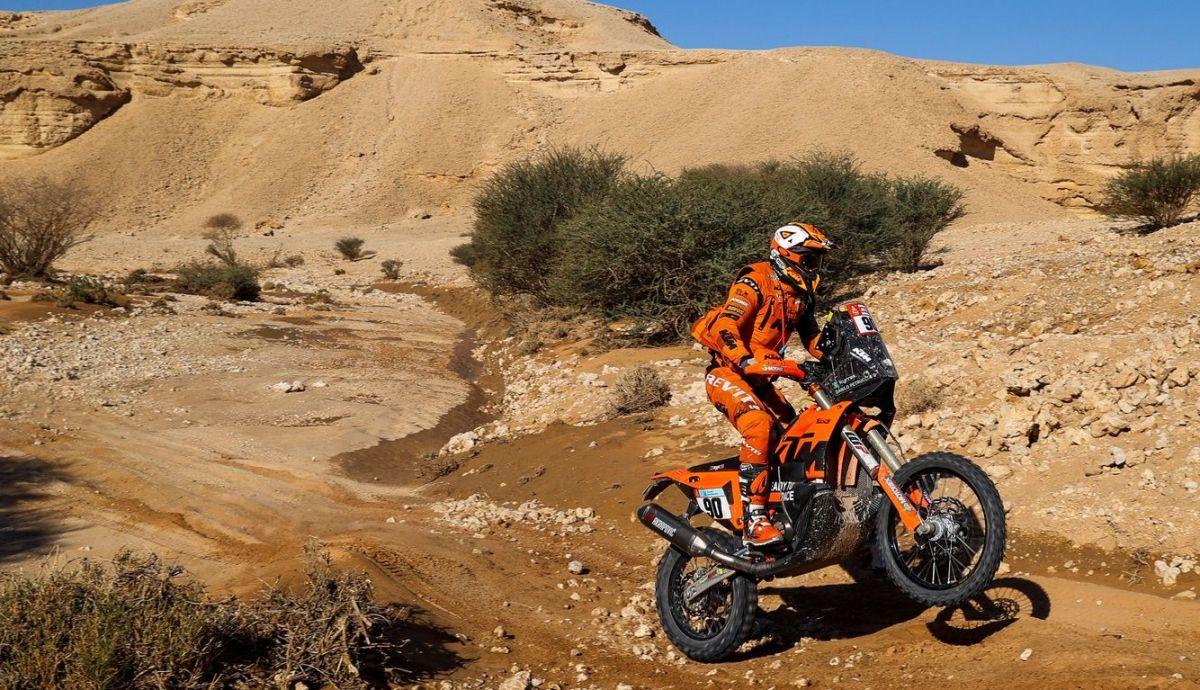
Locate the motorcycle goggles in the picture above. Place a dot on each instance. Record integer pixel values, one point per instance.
(812, 261)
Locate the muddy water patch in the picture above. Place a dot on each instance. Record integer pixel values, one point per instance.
(413, 458)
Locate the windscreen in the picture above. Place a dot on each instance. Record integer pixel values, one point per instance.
(859, 359)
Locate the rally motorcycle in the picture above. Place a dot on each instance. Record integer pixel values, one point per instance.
(841, 488)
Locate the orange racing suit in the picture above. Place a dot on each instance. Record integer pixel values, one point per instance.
(756, 320)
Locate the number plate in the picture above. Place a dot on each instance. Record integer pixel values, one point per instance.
(713, 502)
(863, 323)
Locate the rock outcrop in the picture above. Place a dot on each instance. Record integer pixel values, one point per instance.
(1067, 128)
(51, 93)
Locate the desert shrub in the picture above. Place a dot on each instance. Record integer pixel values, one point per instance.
(640, 389)
(93, 291)
(278, 260)
(221, 230)
(40, 221)
(643, 253)
(921, 207)
(123, 625)
(350, 248)
(223, 221)
(520, 209)
(136, 623)
(464, 254)
(321, 296)
(391, 269)
(330, 632)
(140, 276)
(1158, 191)
(219, 281)
(659, 250)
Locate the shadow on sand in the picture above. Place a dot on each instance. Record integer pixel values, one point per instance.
(844, 611)
(24, 528)
(1005, 602)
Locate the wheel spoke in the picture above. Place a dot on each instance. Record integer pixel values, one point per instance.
(958, 509)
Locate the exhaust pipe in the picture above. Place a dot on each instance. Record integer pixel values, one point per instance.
(689, 540)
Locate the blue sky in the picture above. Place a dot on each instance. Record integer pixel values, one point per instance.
(1145, 35)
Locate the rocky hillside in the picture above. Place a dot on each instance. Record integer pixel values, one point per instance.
(231, 104)
(1082, 403)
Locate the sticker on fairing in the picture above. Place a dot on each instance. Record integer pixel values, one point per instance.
(714, 502)
(863, 323)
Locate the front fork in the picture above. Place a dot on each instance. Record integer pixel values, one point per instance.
(880, 472)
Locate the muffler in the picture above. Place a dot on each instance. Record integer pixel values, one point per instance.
(688, 539)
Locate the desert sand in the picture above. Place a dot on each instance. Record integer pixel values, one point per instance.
(1064, 346)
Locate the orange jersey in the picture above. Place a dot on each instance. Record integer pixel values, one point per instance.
(757, 318)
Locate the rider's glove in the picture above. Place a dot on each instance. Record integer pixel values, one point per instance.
(746, 361)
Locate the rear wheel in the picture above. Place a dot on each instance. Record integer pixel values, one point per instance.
(712, 625)
(959, 558)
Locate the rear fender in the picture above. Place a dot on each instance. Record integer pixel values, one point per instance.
(714, 491)
(655, 488)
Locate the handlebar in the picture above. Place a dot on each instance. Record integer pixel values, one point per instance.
(790, 369)
(786, 368)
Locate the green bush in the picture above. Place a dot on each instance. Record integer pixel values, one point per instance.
(219, 281)
(139, 624)
(921, 208)
(1158, 191)
(464, 254)
(94, 291)
(660, 250)
(653, 252)
(520, 209)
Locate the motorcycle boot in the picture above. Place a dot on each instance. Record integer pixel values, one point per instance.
(758, 532)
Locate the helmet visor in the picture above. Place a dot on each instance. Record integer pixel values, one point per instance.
(812, 261)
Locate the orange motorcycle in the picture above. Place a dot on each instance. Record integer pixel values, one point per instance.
(841, 486)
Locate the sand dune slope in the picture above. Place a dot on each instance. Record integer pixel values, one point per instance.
(179, 108)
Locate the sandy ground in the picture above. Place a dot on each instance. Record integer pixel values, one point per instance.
(1061, 353)
(169, 436)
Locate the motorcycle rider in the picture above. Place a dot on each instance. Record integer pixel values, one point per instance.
(767, 302)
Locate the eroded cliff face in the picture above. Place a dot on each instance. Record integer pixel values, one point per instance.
(52, 92)
(1068, 128)
(464, 86)
(46, 100)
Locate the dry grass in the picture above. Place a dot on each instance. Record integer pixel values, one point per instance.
(136, 623)
(640, 389)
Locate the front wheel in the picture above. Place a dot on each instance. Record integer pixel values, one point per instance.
(959, 558)
(711, 626)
